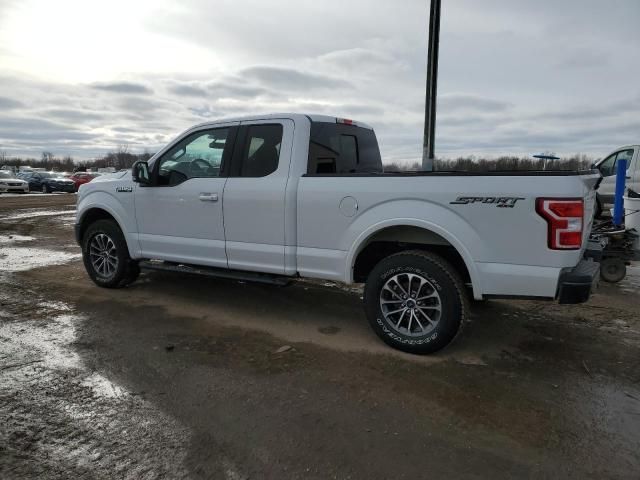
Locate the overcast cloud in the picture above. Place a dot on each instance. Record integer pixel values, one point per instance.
(517, 77)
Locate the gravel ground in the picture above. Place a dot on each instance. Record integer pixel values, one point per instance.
(188, 377)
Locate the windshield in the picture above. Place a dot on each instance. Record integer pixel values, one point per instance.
(6, 174)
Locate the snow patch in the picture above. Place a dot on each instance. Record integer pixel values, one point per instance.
(4, 239)
(18, 259)
(38, 213)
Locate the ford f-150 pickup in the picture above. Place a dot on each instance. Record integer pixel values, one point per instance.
(276, 197)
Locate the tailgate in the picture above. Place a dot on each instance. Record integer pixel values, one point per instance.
(592, 182)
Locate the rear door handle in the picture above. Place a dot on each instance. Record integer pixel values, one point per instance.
(208, 197)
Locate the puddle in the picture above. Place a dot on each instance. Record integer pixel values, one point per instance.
(20, 259)
(61, 415)
(47, 343)
(631, 284)
(38, 213)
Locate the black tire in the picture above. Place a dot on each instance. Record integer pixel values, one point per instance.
(440, 278)
(132, 275)
(613, 270)
(124, 272)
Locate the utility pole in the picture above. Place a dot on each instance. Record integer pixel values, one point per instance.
(428, 151)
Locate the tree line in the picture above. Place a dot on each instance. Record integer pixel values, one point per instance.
(121, 159)
(506, 163)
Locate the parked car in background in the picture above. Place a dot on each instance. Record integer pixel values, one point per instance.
(10, 184)
(609, 167)
(48, 182)
(10, 168)
(80, 178)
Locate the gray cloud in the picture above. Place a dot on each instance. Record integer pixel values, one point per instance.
(234, 88)
(38, 130)
(73, 115)
(188, 90)
(123, 88)
(455, 102)
(9, 103)
(291, 79)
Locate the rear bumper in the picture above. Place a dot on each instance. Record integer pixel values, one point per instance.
(577, 284)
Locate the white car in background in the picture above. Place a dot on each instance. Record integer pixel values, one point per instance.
(10, 184)
(609, 167)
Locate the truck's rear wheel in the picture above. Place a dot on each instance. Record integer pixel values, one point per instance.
(106, 256)
(415, 302)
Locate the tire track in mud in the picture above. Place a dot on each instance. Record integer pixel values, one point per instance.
(62, 420)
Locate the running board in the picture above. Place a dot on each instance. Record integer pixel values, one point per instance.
(266, 278)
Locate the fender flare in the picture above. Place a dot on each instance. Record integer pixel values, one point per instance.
(92, 202)
(363, 238)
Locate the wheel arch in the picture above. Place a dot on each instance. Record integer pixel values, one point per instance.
(392, 236)
(94, 213)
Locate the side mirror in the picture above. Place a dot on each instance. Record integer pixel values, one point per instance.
(140, 173)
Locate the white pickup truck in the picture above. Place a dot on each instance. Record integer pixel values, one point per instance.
(609, 167)
(276, 197)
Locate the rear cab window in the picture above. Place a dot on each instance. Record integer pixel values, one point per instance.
(340, 149)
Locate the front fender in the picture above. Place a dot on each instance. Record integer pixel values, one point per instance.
(122, 209)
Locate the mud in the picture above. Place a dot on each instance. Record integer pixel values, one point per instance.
(186, 377)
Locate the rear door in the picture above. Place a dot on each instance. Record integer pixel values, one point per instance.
(254, 196)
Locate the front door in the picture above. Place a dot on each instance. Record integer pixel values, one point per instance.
(179, 216)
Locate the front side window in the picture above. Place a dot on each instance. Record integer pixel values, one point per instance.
(607, 168)
(197, 156)
(261, 151)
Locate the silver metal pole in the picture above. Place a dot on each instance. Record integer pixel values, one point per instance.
(428, 151)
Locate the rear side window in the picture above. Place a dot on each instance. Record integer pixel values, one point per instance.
(342, 149)
(261, 150)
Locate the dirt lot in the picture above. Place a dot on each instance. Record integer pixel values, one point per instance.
(187, 377)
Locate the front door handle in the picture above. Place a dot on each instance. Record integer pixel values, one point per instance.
(208, 197)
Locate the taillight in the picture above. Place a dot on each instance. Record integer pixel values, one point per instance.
(566, 221)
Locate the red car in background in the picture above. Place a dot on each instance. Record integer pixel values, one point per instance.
(80, 178)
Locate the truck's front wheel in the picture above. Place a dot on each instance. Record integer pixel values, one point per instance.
(106, 256)
(415, 302)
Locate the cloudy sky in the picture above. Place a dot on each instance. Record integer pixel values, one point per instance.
(80, 77)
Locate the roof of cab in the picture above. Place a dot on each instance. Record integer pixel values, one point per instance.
(273, 116)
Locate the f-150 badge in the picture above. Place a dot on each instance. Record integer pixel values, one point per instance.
(500, 202)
